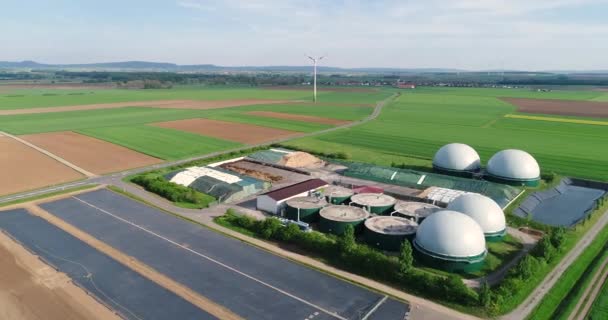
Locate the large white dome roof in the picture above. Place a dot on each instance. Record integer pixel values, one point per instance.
(482, 209)
(457, 156)
(452, 234)
(513, 164)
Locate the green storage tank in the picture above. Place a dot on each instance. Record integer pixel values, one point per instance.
(335, 218)
(304, 208)
(337, 194)
(374, 202)
(417, 211)
(388, 232)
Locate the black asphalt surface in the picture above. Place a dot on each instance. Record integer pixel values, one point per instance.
(251, 282)
(390, 309)
(125, 291)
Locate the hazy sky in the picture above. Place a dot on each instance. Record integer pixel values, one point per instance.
(468, 34)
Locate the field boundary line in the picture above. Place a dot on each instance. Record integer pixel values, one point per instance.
(141, 268)
(50, 154)
(552, 119)
(333, 314)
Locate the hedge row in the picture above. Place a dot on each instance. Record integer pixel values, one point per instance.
(172, 191)
(345, 253)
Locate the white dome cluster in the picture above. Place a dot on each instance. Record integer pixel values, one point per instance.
(457, 157)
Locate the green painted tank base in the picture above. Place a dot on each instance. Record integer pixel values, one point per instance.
(338, 227)
(337, 200)
(457, 265)
(384, 241)
(496, 236)
(514, 182)
(305, 215)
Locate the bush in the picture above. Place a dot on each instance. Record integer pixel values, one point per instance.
(172, 191)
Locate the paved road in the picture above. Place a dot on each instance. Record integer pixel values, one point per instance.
(106, 179)
(537, 295)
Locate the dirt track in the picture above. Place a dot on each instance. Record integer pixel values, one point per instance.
(164, 104)
(298, 117)
(560, 107)
(31, 290)
(233, 131)
(23, 168)
(91, 154)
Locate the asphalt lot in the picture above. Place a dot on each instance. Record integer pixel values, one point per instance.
(125, 291)
(251, 282)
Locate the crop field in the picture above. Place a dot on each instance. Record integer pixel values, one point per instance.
(599, 310)
(411, 129)
(556, 119)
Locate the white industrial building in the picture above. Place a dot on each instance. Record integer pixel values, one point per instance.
(274, 201)
(484, 211)
(514, 167)
(456, 158)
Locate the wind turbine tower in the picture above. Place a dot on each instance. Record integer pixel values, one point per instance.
(314, 77)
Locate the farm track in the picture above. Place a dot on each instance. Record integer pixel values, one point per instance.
(583, 307)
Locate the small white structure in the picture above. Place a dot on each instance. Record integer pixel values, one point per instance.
(513, 165)
(456, 157)
(484, 211)
(188, 176)
(274, 201)
(442, 195)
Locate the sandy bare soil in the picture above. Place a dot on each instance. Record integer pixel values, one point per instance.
(298, 117)
(23, 168)
(31, 290)
(164, 104)
(324, 89)
(560, 107)
(233, 131)
(91, 154)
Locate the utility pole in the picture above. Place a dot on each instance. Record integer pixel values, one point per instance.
(314, 76)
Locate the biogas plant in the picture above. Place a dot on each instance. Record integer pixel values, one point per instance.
(449, 217)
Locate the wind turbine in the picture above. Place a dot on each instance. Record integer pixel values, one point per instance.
(314, 79)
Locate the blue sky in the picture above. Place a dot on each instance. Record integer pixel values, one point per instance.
(467, 34)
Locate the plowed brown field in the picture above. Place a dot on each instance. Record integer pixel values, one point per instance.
(239, 132)
(91, 154)
(561, 107)
(23, 168)
(165, 104)
(298, 117)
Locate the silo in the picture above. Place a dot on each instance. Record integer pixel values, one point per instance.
(451, 241)
(306, 208)
(335, 218)
(337, 194)
(373, 202)
(456, 159)
(515, 167)
(418, 211)
(388, 232)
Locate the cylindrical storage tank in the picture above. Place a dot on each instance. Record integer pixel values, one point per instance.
(337, 194)
(335, 218)
(456, 159)
(451, 241)
(388, 232)
(373, 202)
(514, 167)
(484, 211)
(306, 208)
(418, 211)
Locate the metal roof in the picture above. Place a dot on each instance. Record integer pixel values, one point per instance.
(295, 189)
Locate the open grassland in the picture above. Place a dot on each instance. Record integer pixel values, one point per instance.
(420, 122)
(161, 143)
(37, 98)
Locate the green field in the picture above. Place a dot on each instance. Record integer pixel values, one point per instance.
(419, 122)
(27, 98)
(599, 310)
(160, 142)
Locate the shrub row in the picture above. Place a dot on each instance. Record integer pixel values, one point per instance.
(172, 191)
(345, 253)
